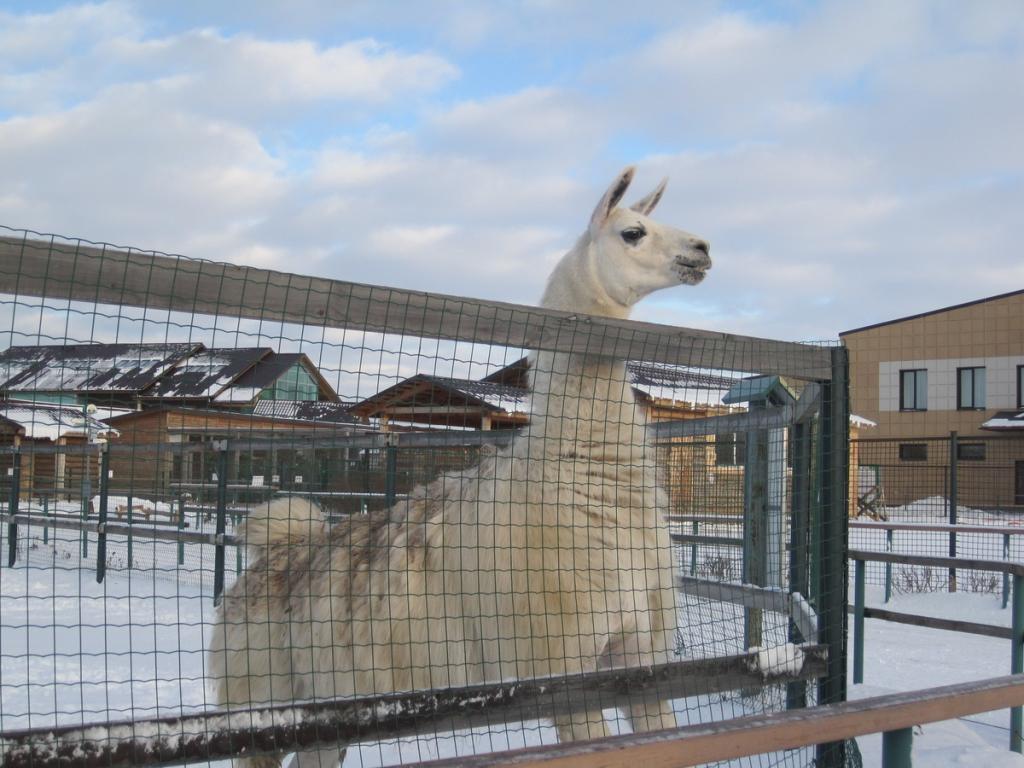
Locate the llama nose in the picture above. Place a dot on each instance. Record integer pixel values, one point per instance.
(702, 245)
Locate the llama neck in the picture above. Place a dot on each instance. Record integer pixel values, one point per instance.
(583, 403)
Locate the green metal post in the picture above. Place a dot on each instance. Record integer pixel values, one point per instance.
(1017, 657)
(897, 747)
(953, 493)
(755, 527)
(222, 506)
(888, 567)
(1006, 576)
(796, 693)
(693, 549)
(131, 538)
(832, 598)
(390, 474)
(858, 623)
(181, 527)
(12, 508)
(101, 537)
(46, 527)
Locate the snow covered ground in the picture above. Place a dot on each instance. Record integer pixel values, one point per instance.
(73, 650)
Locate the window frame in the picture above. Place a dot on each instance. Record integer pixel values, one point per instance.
(974, 388)
(961, 455)
(1020, 386)
(917, 406)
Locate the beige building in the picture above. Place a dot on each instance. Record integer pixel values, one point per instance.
(959, 368)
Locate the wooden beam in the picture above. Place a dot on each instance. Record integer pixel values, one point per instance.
(758, 734)
(964, 563)
(79, 271)
(931, 622)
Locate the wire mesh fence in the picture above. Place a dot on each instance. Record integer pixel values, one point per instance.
(248, 514)
(954, 495)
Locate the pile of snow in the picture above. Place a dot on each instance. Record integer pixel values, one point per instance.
(785, 659)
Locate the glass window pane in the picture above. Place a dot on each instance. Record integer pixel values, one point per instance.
(979, 388)
(922, 390)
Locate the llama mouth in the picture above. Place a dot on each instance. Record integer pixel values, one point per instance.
(691, 275)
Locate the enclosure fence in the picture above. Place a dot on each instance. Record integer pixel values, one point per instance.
(304, 515)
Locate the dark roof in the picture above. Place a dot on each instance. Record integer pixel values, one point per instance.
(207, 373)
(422, 389)
(80, 368)
(933, 312)
(306, 410)
(641, 374)
(1005, 420)
(269, 370)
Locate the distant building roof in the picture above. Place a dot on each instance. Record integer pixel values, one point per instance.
(1003, 420)
(89, 368)
(933, 312)
(307, 410)
(268, 370)
(38, 421)
(207, 373)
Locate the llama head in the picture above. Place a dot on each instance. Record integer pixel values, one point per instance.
(630, 255)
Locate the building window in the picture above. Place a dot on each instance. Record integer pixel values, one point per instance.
(970, 388)
(970, 451)
(1020, 386)
(731, 449)
(913, 452)
(914, 390)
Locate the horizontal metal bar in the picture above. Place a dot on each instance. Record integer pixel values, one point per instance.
(216, 735)
(709, 541)
(932, 622)
(964, 563)
(706, 519)
(1002, 530)
(136, 530)
(708, 743)
(789, 604)
(50, 267)
(766, 418)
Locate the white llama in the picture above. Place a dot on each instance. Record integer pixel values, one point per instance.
(548, 557)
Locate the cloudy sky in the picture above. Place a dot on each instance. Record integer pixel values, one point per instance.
(850, 162)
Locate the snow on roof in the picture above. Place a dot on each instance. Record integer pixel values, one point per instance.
(860, 422)
(207, 373)
(89, 367)
(51, 422)
(1005, 420)
(306, 410)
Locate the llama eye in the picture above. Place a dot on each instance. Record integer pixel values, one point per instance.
(633, 235)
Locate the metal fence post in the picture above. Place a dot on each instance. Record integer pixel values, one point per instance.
(695, 527)
(12, 507)
(1006, 576)
(888, 566)
(832, 547)
(858, 622)
(953, 460)
(390, 471)
(897, 747)
(796, 693)
(46, 527)
(181, 527)
(222, 504)
(1017, 657)
(131, 560)
(101, 533)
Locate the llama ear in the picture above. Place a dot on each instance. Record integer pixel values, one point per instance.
(611, 198)
(647, 204)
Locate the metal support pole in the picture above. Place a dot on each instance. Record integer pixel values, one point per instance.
(46, 527)
(181, 527)
(390, 474)
(1017, 657)
(131, 561)
(796, 693)
(1006, 576)
(755, 528)
(858, 622)
(101, 537)
(693, 549)
(222, 506)
(12, 507)
(832, 597)
(897, 747)
(953, 460)
(888, 566)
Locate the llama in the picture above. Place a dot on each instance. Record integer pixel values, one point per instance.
(548, 557)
